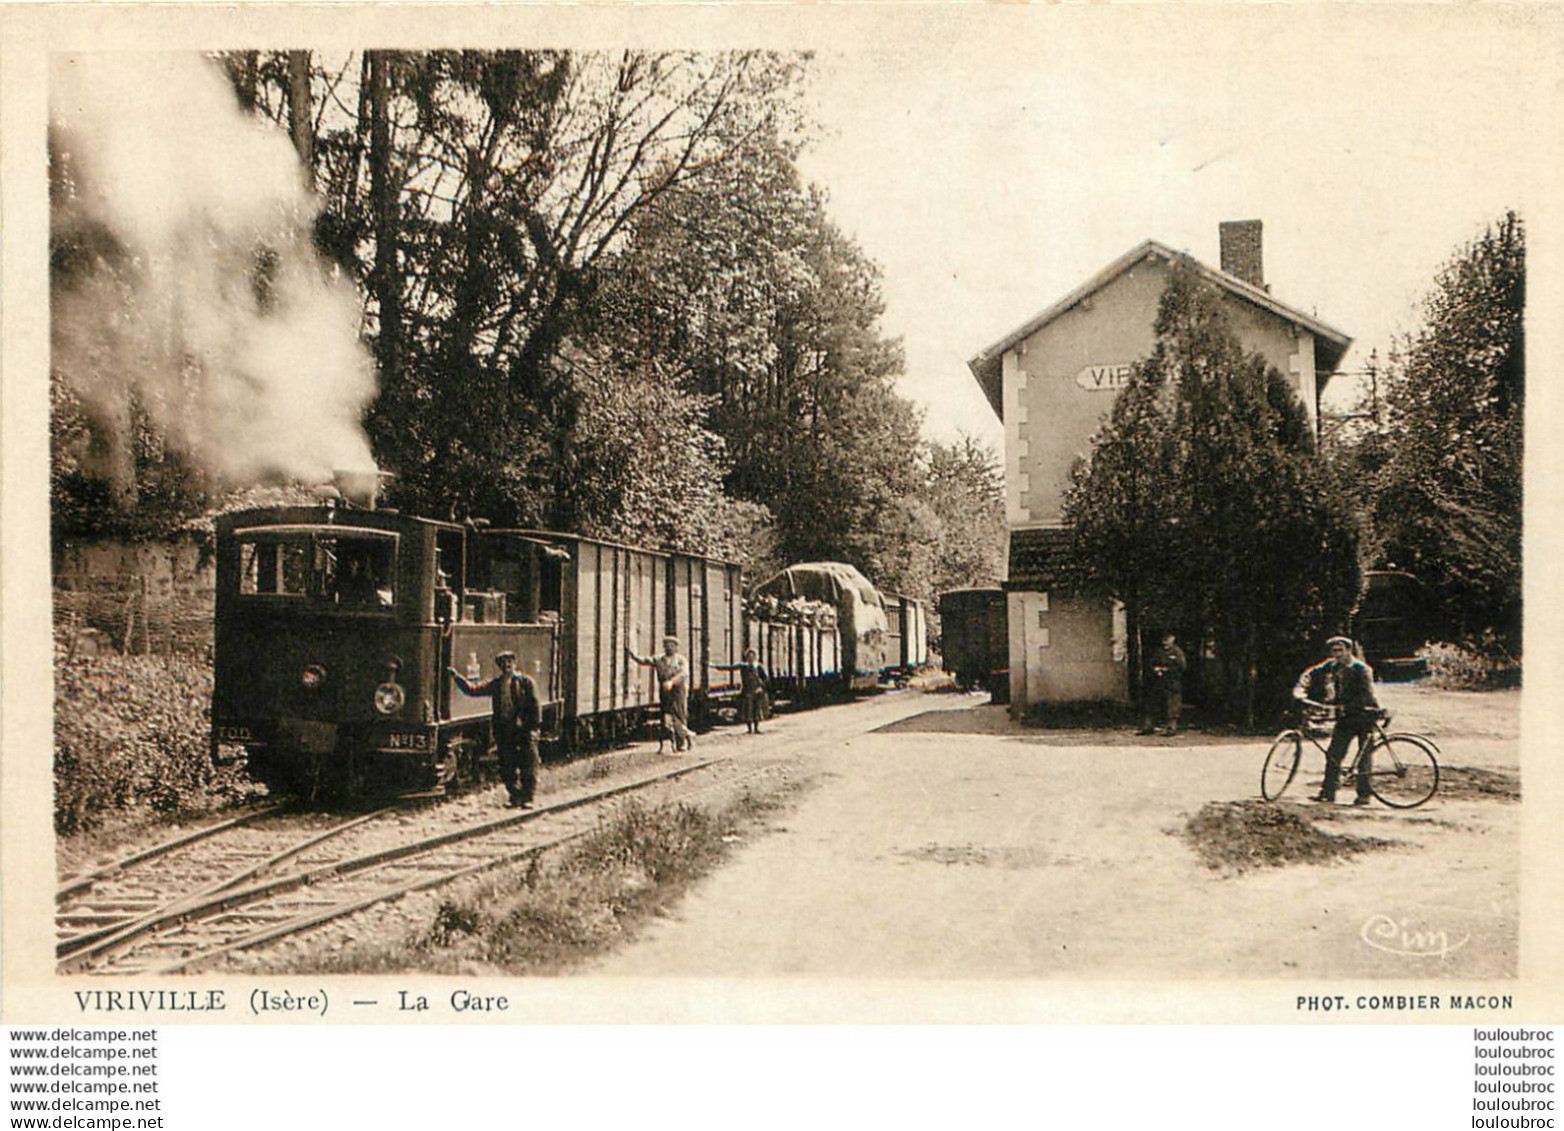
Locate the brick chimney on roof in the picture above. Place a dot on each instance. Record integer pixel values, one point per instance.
(1241, 251)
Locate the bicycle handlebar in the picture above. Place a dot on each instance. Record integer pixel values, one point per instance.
(1333, 711)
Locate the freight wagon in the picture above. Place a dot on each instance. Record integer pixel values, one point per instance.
(975, 640)
(798, 644)
(907, 634)
(860, 615)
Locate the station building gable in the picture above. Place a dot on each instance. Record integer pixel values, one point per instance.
(1052, 382)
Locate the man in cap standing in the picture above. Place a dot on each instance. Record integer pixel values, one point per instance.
(673, 688)
(1344, 686)
(1167, 687)
(514, 723)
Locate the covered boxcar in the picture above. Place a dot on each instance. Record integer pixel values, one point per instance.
(975, 639)
(610, 599)
(907, 634)
(860, 614)
(1395, 617)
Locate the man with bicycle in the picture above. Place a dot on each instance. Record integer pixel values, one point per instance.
(1343, 686)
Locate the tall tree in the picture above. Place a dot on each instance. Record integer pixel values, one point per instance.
(501, 184)
(964, 486)
(1206, 508)
(1449, 499)
(301, 118)
(743, 290)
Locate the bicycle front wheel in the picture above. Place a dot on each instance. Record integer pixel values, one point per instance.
(1281, 764)
(1404, 771)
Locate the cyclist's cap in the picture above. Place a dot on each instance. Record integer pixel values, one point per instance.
(498, 656)
(670, 639)
(1334, 640)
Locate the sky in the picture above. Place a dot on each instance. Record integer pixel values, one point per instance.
(990, 178)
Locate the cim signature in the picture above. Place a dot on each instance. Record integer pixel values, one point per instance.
(1395, 937)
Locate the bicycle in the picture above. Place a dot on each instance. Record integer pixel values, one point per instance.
(1404, 769)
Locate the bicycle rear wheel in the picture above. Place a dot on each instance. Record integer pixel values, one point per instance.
(1281, 764)
(1405, 772)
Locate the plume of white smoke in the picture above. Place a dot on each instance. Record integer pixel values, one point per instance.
(195, 284)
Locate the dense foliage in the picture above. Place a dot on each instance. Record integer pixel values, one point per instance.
(1481, 666)
(1206, 509)
(1443, 476)
(600, 299)
(131, 735)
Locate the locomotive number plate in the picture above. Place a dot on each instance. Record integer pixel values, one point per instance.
(235, 734)
(408, 740)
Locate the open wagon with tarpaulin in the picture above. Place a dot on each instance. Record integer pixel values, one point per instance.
(860, 614)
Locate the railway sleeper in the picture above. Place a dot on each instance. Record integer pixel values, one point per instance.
(125, 905)
(250, 919)
(87, 919)
(290, 905)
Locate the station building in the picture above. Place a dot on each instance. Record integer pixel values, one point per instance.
(1052, 381)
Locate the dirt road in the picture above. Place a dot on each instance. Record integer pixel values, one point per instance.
(955, 844)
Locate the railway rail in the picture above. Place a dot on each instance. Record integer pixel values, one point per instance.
(98, 905)
(239, 910)
(82, 881)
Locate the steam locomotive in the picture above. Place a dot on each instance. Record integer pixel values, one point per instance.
(336, 626)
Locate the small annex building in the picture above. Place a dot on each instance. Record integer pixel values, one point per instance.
(1051, 381)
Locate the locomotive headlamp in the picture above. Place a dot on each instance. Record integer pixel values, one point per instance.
(389, 698)
(312, 676)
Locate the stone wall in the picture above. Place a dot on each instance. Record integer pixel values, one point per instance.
(134, 597)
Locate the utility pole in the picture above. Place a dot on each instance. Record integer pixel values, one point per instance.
(384, 196)
(300, 119)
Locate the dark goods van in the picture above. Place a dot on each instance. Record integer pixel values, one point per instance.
(1395, 617)
(976, 641)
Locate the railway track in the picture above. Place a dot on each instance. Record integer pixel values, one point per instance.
(241, 909)
(98, 905)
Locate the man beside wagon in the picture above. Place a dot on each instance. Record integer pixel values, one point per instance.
(673, 689)
(517, 714)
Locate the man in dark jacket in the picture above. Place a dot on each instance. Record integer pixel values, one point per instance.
(1167, 686)
(1344, 686)
(514, 724)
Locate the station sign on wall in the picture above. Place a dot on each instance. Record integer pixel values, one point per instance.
(1104, 378)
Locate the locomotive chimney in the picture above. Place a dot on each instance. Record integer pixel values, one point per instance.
(360, 488)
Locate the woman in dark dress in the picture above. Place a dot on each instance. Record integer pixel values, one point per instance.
(754, 703)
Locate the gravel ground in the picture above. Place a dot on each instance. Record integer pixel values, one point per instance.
(760, 765)
(955, 844)
(941, 840)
